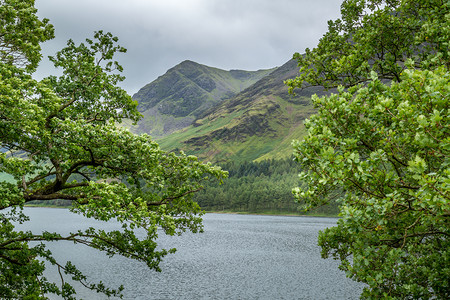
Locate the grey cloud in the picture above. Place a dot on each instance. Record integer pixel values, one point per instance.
(228, 34)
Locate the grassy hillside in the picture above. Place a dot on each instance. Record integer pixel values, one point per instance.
(259, 123)
(184, 93)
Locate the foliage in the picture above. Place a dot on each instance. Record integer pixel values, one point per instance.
(60, 140)
(21, 29)
(386, 144)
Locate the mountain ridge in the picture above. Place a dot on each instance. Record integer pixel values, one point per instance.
(174, 100)
(258, 123)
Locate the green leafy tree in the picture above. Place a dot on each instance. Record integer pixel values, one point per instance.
(60, 140)
(384, 139)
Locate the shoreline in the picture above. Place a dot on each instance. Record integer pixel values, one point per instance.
(268, 213)
(281, 214)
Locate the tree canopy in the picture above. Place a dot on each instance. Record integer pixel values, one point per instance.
(379, 36)
(383, 138)
(60, 139)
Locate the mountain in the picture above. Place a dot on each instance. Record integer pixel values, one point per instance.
(184, 93)
(258, 123)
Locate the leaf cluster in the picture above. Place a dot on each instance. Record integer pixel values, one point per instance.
(21, 33)
(384, 139)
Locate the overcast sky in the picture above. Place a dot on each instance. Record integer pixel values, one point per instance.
(159, 34)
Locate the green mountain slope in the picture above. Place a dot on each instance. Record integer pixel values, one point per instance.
(184, 93)
(258, 123)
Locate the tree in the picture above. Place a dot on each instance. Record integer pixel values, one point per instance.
(384, 139)
(60, 140)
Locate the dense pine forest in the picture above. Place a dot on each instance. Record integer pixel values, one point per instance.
(257, 187)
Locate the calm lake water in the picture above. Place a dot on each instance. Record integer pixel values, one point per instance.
(237, 257)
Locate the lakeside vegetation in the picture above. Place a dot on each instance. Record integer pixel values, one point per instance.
(262, 187)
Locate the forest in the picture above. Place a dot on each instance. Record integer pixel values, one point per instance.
(258, 187)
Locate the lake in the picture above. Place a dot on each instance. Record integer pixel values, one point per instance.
(237, 257)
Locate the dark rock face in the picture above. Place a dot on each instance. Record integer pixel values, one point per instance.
(186, 101)
(205, 83)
